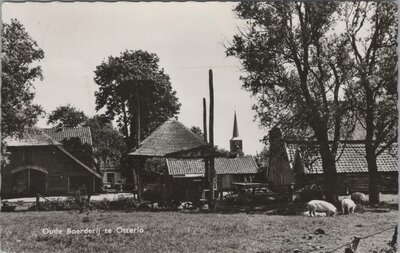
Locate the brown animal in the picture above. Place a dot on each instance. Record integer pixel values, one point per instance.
(359, 198)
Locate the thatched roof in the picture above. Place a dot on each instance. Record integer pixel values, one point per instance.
(171, 137)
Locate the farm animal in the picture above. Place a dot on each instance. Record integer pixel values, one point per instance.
(307, 213)
(359, 198)
(321, 206)
(348, 206)
(185, 206)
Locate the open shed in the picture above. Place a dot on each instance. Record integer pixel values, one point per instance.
(173, 140)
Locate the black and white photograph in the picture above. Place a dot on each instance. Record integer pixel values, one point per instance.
(255, 126)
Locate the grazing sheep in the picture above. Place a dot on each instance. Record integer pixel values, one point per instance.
(348, 206)
(321, 206)
(359, 197)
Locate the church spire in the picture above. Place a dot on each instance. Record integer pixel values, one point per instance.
(235, 128)
(236, 143)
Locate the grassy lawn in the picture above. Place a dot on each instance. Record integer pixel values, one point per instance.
(192, 232)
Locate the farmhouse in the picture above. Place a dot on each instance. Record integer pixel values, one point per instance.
(40, 164)
(298, 162)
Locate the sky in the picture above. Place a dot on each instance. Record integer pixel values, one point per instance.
(188, 37)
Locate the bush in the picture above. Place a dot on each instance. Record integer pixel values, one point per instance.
(122, 203)
(157, 193)
(55, 205)
(310, 192)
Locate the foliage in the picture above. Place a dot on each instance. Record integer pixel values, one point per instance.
(55, 205)
(371, 30)
(155, 169)
(310, 192)
(67, 116)
(372, 33)
(108, 144)
(296, 66)
(82, 151)
(122, 203)
(19, 57)
(132, 80)
(197, 131)
(262, 158)
(157, 193)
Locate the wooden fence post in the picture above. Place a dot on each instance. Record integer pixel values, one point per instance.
(394, 239)
(354, 245)
(37, 202)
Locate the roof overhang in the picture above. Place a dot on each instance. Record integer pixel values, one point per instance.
(188, 176)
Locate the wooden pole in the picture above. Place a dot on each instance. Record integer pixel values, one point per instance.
(206, 161)
(139, 163)
(211, 132)
(205, 119)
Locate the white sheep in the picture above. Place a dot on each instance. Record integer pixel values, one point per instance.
(321, 206)
(348, 206)
(359, 197)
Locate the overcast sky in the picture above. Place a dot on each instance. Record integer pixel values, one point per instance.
(188, 37)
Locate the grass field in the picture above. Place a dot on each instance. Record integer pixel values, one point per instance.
(192, 232)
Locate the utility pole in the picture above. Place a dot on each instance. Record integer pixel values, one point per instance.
(211, 133)
(205, 119)
(140, 162)
(206, 160)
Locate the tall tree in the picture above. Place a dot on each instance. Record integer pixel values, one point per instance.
(132, 80)
(296, 68)
(67, 116)
(19, 57)
(371, 30)
(108, 143)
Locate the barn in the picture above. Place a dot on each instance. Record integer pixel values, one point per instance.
(298, 162)
(40, 164)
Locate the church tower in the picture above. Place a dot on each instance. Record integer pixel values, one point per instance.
(236, 142)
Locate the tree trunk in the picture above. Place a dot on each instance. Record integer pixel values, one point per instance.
(373, 189)
(329, 168)
(373, 177)
(328, 162)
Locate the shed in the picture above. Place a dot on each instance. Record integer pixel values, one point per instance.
(183, 174)
(299, 162)
(174, 140)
